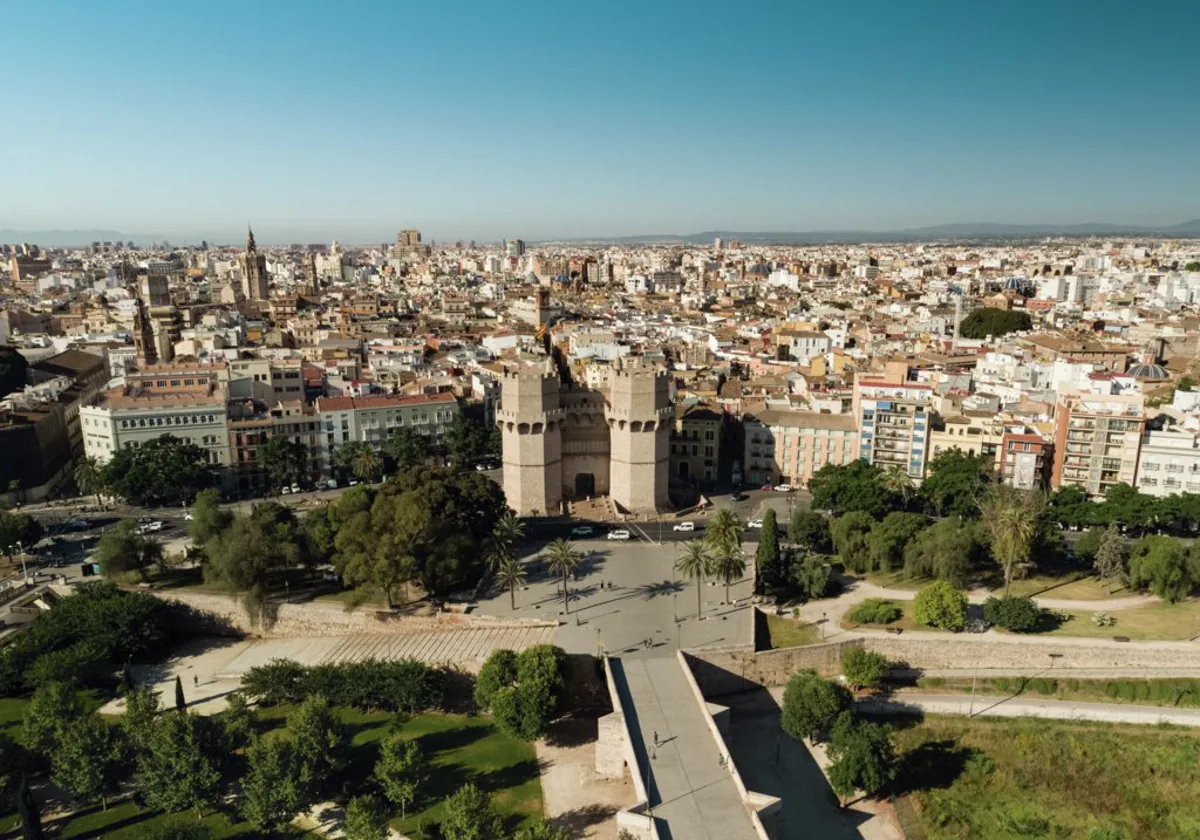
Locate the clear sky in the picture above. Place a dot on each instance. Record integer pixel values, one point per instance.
(578, 117)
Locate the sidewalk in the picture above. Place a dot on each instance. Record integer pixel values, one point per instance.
(1023, 706)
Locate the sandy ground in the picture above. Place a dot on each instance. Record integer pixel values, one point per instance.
(573, 795)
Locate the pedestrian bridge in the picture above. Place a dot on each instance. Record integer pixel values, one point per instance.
(674, 743)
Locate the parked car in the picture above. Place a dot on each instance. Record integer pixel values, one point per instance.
(285, 490)
(619, 534)
(685, 526)
(582, 531)
(78, 524)
(331, 484)
(754, 523)
(188, 517)
(150, 527)
(295, 488)
(768, 488)
(784, 488)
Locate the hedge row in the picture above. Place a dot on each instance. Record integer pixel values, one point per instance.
(402, 685)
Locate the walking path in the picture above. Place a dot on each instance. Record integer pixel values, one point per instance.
(691, 793)
(1022, 706)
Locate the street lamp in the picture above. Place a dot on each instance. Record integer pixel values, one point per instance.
(824, 621)
(21, 549)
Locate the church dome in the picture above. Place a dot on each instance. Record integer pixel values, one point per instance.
(1148, 370)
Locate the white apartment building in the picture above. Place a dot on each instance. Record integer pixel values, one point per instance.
(375, 419)
(123, 418)
(1169, 462)
(893, 418)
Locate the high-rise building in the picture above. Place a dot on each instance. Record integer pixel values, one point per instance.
(1096, 440)
(514, 247)
(893, 421)
(408, 238)
(255, 284)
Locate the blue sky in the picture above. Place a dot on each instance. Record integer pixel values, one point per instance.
(574, 118)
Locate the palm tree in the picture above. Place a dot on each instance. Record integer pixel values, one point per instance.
(89, 476)
(506, 533)
(729, 566)
(366, 463)
(896, 481)
(694, 562)
(1011, 518)
(724, 538)
(563, 561)
(511, 574)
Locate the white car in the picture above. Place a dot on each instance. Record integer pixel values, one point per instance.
(754, 523)
(295, 488)
(685, 526)
(187, 517)
(619, 534)
(582, 531)
(783, 488)
(331, 484)
(285, 490)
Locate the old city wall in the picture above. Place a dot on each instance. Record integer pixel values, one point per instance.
(224, 613)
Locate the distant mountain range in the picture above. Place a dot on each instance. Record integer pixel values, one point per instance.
(958, 231)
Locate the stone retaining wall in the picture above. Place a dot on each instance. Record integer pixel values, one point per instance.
(225, 613)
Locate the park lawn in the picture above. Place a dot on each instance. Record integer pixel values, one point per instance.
(127, 822)
(1073, 587)
(897, 580)
(997, 779)
(783, 632)
(461, 749)
(1165, 622)
(1171, 693)
(905, 622)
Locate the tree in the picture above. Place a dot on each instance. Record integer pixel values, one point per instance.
(237, 722)
(469, 816)
(1187, 383)
(1127, 507)
(245, 555)
(180, 767)
(862, 756)
(941, 605)
(1086, 546)
(359, 459)
(208, 517)
(989, 322)
(1018, 613)
(1011, 519)
(401, 770)
(857, 486)
(54, 705)
(467, 440)
(89, 760)
(12, 758)
(510, 575)
(18, 529)
(408, 447)
(123, 550)
(947, 550)
(164, 470)
(365, 819)
(768, 560)
(724, 538)
(1163, 566)
(810, 530)
(851, 533)
(272, 793)
(889, 537)
(863, 668)
(563, 560)
(284, 460)
(89, 476)
(30, 816)
(1111, 558)
(811, 704)
(898, 483)
(523, 692)
(694, 562)
(542, 831)
(508, 531)
(321, 745)
(810, 575)
(953, 484)
(141, 710)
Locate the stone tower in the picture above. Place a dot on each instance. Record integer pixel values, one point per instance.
(144, 345)
(530, 419)
(254, 270)
(639, 419)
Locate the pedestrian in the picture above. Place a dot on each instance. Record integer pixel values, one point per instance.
(656, 739)
(196, 680)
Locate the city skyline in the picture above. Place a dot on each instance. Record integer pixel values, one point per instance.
(539, 121)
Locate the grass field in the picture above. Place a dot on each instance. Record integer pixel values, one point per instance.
(460, 749)
(1003, 780)
(785, 632)
(1158, 621)
(1075, 586)
(1173, 693)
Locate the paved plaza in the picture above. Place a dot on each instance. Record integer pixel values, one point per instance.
(625, 600)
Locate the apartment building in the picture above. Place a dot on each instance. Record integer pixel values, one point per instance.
(893, 417)
(1169, 462)
(789, 447)
(1096, 440)
(375, 419)
(1025, 461)
(252, 423)
(696, 444)
(972, 433)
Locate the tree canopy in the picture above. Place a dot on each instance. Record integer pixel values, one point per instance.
(285, 461)
(123, 550)
(811, 705)
(164, 470)
(1164, 566)
(857, 486)
(993, 322)
(953, 484)
(947, 550)
(18, 528)
(941, 605)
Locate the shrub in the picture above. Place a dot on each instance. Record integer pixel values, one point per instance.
(1018, 613)
(523, 692)
(811, 705)
(401, 685)
(1044, 687)
(876, 611)
(863, 668)
(941, 605)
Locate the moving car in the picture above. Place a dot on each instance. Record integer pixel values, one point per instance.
(619, 534)
(582, 531)
(150, 527)
(754, 523)
(767, 487)
(784, 488)
(685, 526)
